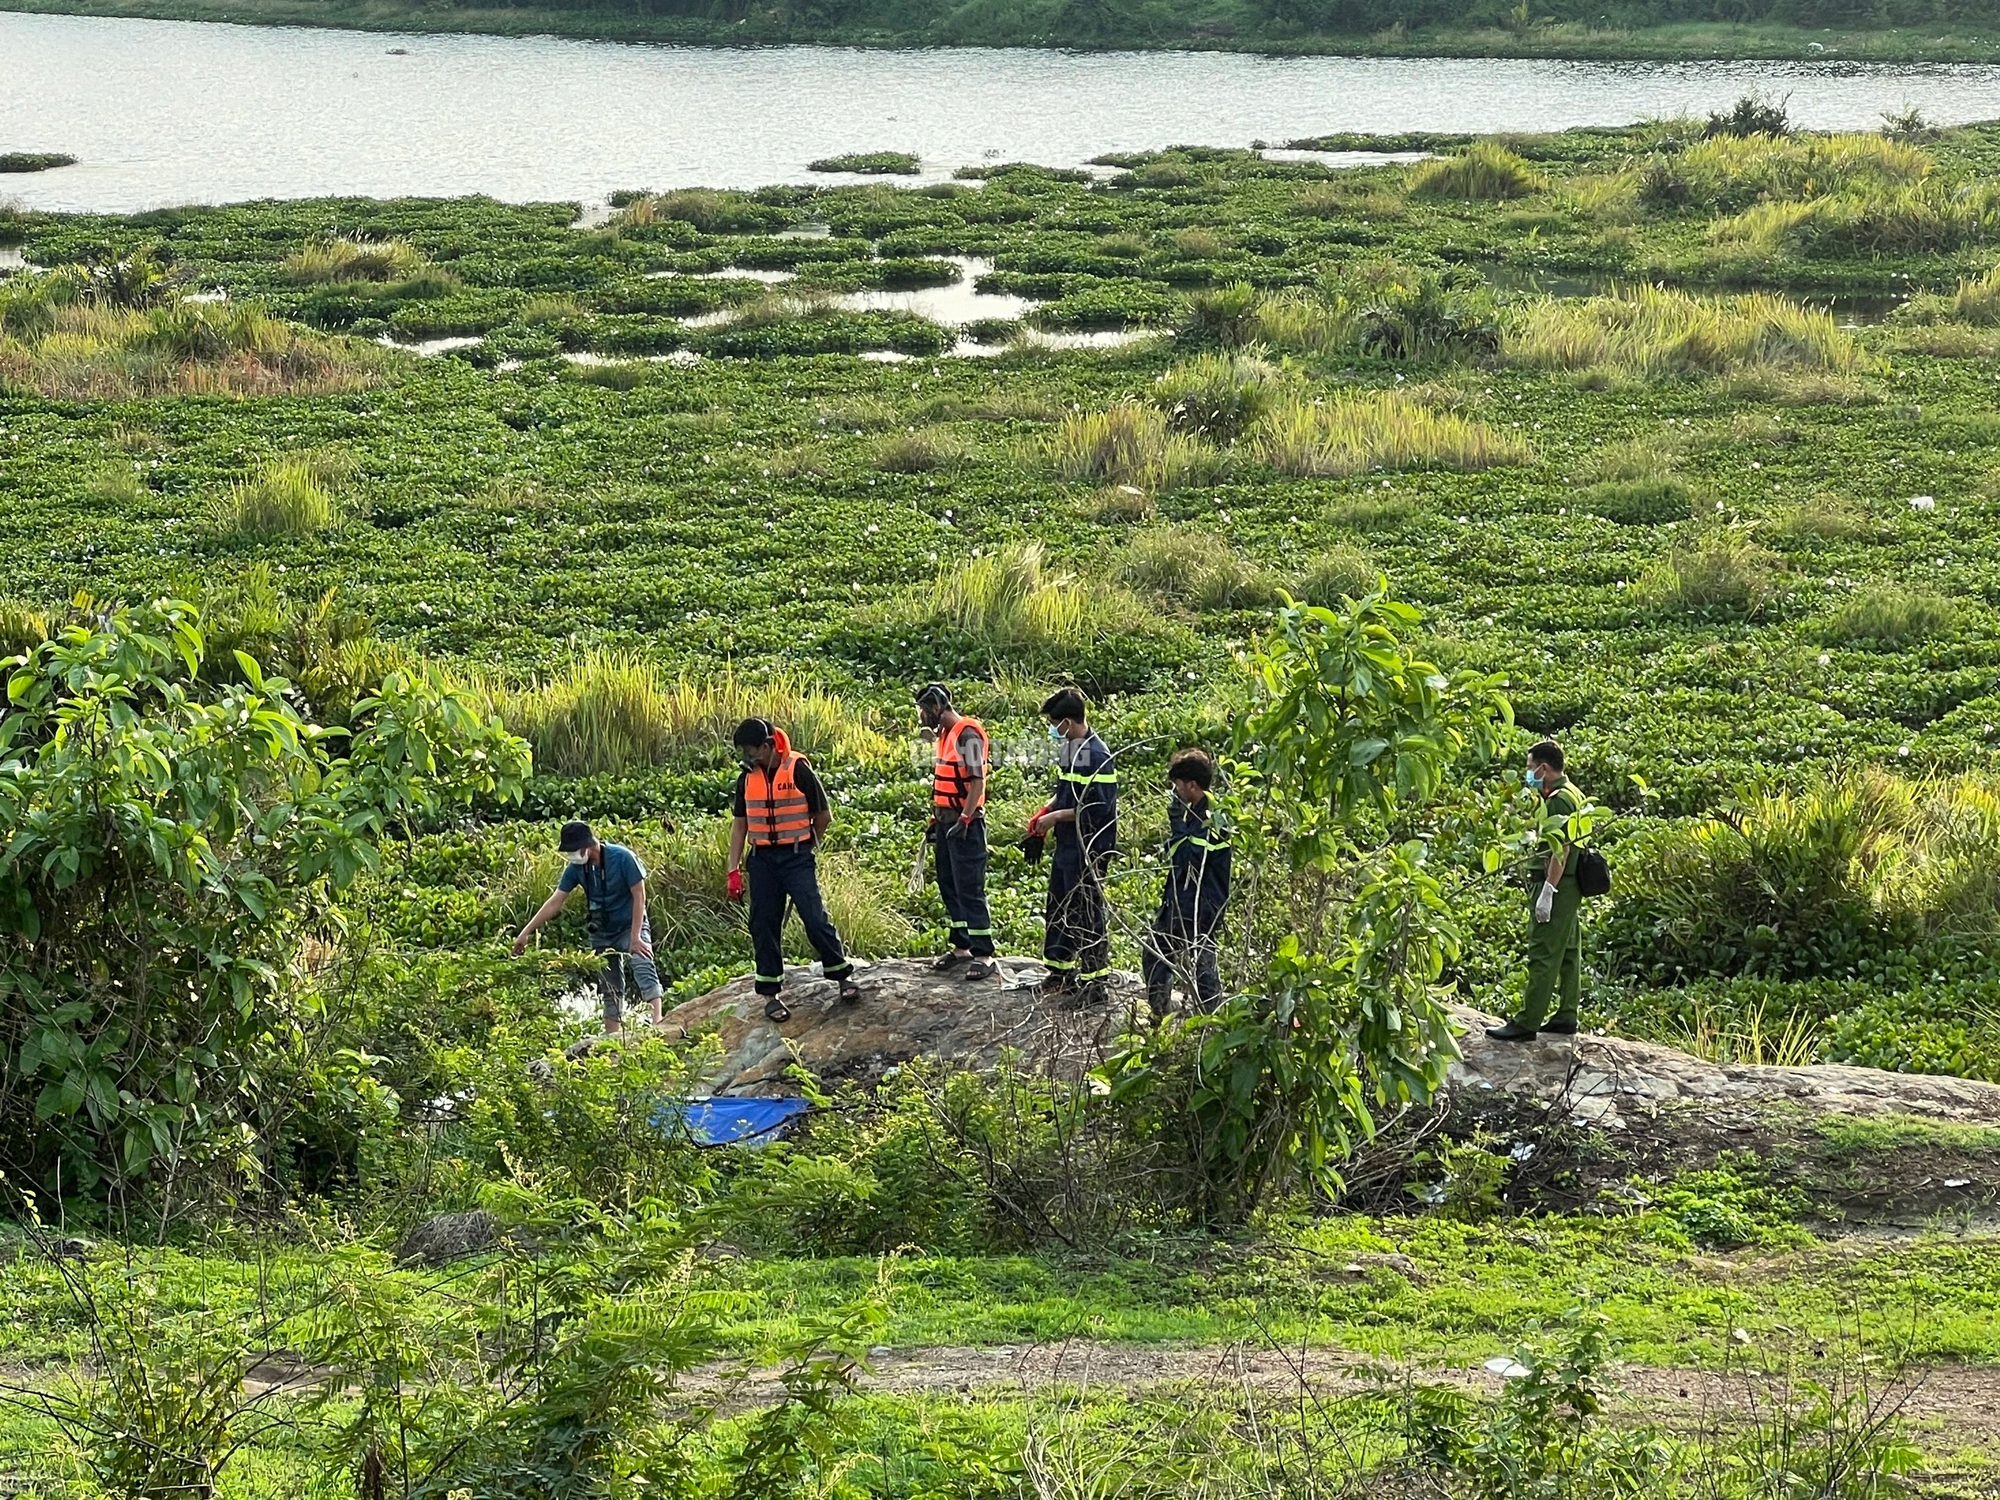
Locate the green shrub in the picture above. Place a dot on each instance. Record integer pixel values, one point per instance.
(1821, 881)
(1752, 115)
(1225, 315)
(1217, 396)
(1638, 502)
(1338, 572)
(1715, 572)
(1483, 172)
(1406, 312)
(1889, 617)
(1197, 569)
(920, 451)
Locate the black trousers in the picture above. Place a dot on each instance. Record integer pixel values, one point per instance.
(1177, 950)
(1076, 940)
(961, 880)
(777, 876)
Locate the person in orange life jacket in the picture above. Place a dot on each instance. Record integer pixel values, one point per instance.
(614, 886)
(1083, 818)
(958, 830)
(1182, 943)
(781, 814)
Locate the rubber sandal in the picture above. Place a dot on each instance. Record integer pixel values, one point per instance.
(850, 992)
(949, 962)
(980, 968)
(776, 1011)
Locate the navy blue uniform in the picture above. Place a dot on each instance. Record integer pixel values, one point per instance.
(1183, 942)
(781, 874)
(1077, 939)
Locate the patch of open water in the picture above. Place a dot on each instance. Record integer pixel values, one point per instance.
(165, 112)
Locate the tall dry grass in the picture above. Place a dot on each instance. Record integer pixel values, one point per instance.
(608, 713)
(1485, 171)
(337, 260)
(1133, 443)
(1650, 332)
(1016, 599)
(56, 346)
(1350, 433)
(289, 497)
(1732, 172)
(1927, 216)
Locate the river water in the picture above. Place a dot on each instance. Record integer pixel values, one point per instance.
(166, 112)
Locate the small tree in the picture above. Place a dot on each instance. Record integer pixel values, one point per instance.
(1349, 735)
(169, 848)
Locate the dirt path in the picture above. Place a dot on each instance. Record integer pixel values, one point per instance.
(1959, 1402)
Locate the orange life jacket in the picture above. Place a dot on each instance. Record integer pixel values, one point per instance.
(780, 815)
(949, 776)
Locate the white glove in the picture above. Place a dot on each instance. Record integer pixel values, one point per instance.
(1545, 904)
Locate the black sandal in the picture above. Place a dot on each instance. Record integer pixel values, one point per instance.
(776, 1011)
(850, 992)
(949, 962)
(981, 968)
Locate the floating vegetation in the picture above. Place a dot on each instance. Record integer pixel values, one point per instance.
(875, 163)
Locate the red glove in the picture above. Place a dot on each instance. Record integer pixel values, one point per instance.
(735, 885)
(1035, 822)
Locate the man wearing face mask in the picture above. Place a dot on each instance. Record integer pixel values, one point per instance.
(781, 815)
(1083, 817)
(614, 886)
(1555, 937)
(958, 830)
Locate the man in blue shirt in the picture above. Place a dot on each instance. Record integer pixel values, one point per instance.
(1083, 816)
(614, 886)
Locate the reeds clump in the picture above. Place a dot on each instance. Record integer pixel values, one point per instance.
(1352, 433)
(920, 451)
(1340, 572)
(1485, 172)
(1300, 323)
(56, 345)
(1924, 217)
(291, 497)
(1131, 443)
(1195, 569)
(1217, 396)
(338, 260)
(1730, 172)
(1716, 573)
(1889, 617)
(607, 713)
(1650, 332)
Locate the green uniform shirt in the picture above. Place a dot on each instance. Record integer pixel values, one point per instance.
(1560, 806)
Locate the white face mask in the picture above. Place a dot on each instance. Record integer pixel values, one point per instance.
(577, 857)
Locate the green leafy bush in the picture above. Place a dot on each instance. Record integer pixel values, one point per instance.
(1217, 396)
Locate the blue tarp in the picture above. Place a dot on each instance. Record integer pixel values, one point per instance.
(724, 1122)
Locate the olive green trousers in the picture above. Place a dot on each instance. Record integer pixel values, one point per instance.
(1555, 959)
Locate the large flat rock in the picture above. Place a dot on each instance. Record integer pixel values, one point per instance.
(910, 1011)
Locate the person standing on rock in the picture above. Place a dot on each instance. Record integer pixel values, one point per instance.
(1083, 817)
(614, 886)
(958, 830)
(781, 815)
(1183, 943)
(1555, 935)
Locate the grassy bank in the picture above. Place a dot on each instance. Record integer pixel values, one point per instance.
(1689, 435)
(1218, 25)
